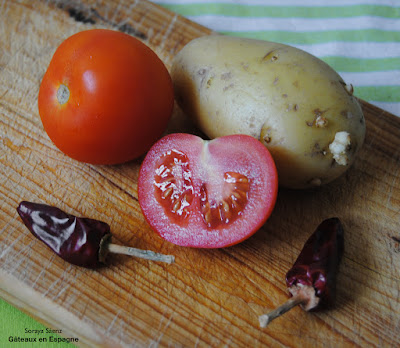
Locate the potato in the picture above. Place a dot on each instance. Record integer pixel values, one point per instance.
(291, 101)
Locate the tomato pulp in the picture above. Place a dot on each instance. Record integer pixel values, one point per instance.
(105, 98)
(207, 194)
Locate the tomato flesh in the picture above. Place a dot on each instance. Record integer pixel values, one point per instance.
(232, 202)
(207, 194)
(174, 187)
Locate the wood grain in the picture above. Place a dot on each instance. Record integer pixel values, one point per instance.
(208, 297)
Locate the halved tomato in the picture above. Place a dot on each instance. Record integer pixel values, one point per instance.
(207, 194)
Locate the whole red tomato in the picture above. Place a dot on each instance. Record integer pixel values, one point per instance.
(207, 194)
(105, 98)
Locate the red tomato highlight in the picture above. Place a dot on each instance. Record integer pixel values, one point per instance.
(207, 194)
(105, 98)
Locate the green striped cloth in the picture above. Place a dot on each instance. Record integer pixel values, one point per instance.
(360, 39)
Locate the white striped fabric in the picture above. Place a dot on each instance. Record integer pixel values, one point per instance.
(359, 38)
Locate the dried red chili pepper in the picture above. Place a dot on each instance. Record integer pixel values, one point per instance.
(312, 279)
(78, 240)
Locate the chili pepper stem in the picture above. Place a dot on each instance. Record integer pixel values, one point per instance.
(294, 301)
(143, 254)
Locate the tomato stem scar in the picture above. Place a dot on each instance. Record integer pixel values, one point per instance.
(62, 94)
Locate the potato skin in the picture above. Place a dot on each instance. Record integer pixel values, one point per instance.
(291, 101)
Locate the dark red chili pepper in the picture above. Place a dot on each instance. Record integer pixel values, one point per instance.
(318, 263)
(78, 240)
(312, 279)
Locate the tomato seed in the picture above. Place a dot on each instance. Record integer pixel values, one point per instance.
(176, 205)
(167, 192)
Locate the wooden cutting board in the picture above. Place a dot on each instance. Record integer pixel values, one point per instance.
(208, 297)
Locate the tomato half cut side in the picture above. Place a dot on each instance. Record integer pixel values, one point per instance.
(207, 193)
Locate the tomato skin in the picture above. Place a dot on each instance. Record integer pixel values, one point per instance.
(208, 162)
(120, 97)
